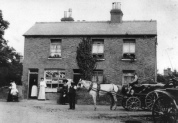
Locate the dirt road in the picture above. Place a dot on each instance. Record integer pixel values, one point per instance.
(34, 111)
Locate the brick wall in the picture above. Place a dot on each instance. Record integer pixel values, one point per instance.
(37, 50)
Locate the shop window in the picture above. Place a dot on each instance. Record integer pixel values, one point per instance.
(55, 48)
(129, 49)
(98, 48)
(97, 76)
(54, 78)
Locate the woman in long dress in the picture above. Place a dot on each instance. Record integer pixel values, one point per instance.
(34, 91)
(41, 95)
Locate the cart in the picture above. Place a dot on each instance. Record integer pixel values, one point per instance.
(165, 108)
(144, 96)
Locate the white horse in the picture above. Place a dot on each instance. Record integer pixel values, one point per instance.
(103, 89)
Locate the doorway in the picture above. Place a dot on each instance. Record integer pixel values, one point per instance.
(33, 80)
(77, 76)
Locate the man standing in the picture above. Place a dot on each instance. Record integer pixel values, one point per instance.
(72, 95)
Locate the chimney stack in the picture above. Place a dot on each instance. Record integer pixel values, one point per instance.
(116, 13)
(65, 14)
(66, 18)
(70, 12)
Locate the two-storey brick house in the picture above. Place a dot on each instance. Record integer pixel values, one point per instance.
(122, 48)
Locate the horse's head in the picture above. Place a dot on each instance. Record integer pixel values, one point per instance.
(80, 84)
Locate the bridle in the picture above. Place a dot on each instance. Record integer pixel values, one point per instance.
(90, 85)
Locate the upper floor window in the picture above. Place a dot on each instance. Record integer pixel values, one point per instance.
(98, 48)
(55, 48)
(129, 49)
(97, 76)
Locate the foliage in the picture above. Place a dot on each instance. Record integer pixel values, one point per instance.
(3, 43)
(10, 65)
(161, 78)
(175, 73)
(165, 79)
(85, 59)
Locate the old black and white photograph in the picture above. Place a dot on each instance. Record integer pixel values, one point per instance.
(88, 61)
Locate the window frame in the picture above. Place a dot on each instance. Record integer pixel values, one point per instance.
(129, 55)
(97, 76)
(98, 56)
(51, 82)
(57, 53)
(127, 73)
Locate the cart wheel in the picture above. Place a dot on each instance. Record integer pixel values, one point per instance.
(133, 103)
(164, 110)
(150, 99)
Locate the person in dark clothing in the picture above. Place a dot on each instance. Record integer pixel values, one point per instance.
(72, 95)
(9, 97)
(64, 93)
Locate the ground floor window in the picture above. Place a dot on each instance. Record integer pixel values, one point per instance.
(98, 76)
(54, 78)
(128, 76)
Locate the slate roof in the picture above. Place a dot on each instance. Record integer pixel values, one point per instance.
(93, 28)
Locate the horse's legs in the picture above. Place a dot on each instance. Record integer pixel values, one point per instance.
(115, 101)
(112, 101)
(94, 101)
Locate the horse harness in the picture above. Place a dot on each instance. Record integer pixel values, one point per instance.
(91, 86)
(99, 89)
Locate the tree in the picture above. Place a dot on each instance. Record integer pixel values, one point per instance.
(10, 65)
(161, 78)
(3, 43)
(85, 59)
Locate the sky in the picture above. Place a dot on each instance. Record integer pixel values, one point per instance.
(22, 14)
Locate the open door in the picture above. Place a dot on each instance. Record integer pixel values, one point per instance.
(33, 80)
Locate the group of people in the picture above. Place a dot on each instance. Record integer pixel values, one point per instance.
(68, 92)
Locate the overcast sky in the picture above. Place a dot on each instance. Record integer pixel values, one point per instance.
(22, 14)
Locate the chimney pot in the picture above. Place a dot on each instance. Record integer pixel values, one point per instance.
(70, 12)
(65, 14)
(116, 13)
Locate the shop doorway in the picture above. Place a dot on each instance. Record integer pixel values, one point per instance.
(33, 80)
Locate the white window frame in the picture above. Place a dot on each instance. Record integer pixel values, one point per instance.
(52, 80)
(129, 44)
(129, 47)
(99, 45)
(57, 51)
(98, 48)
(127, 74)
(96, 74)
